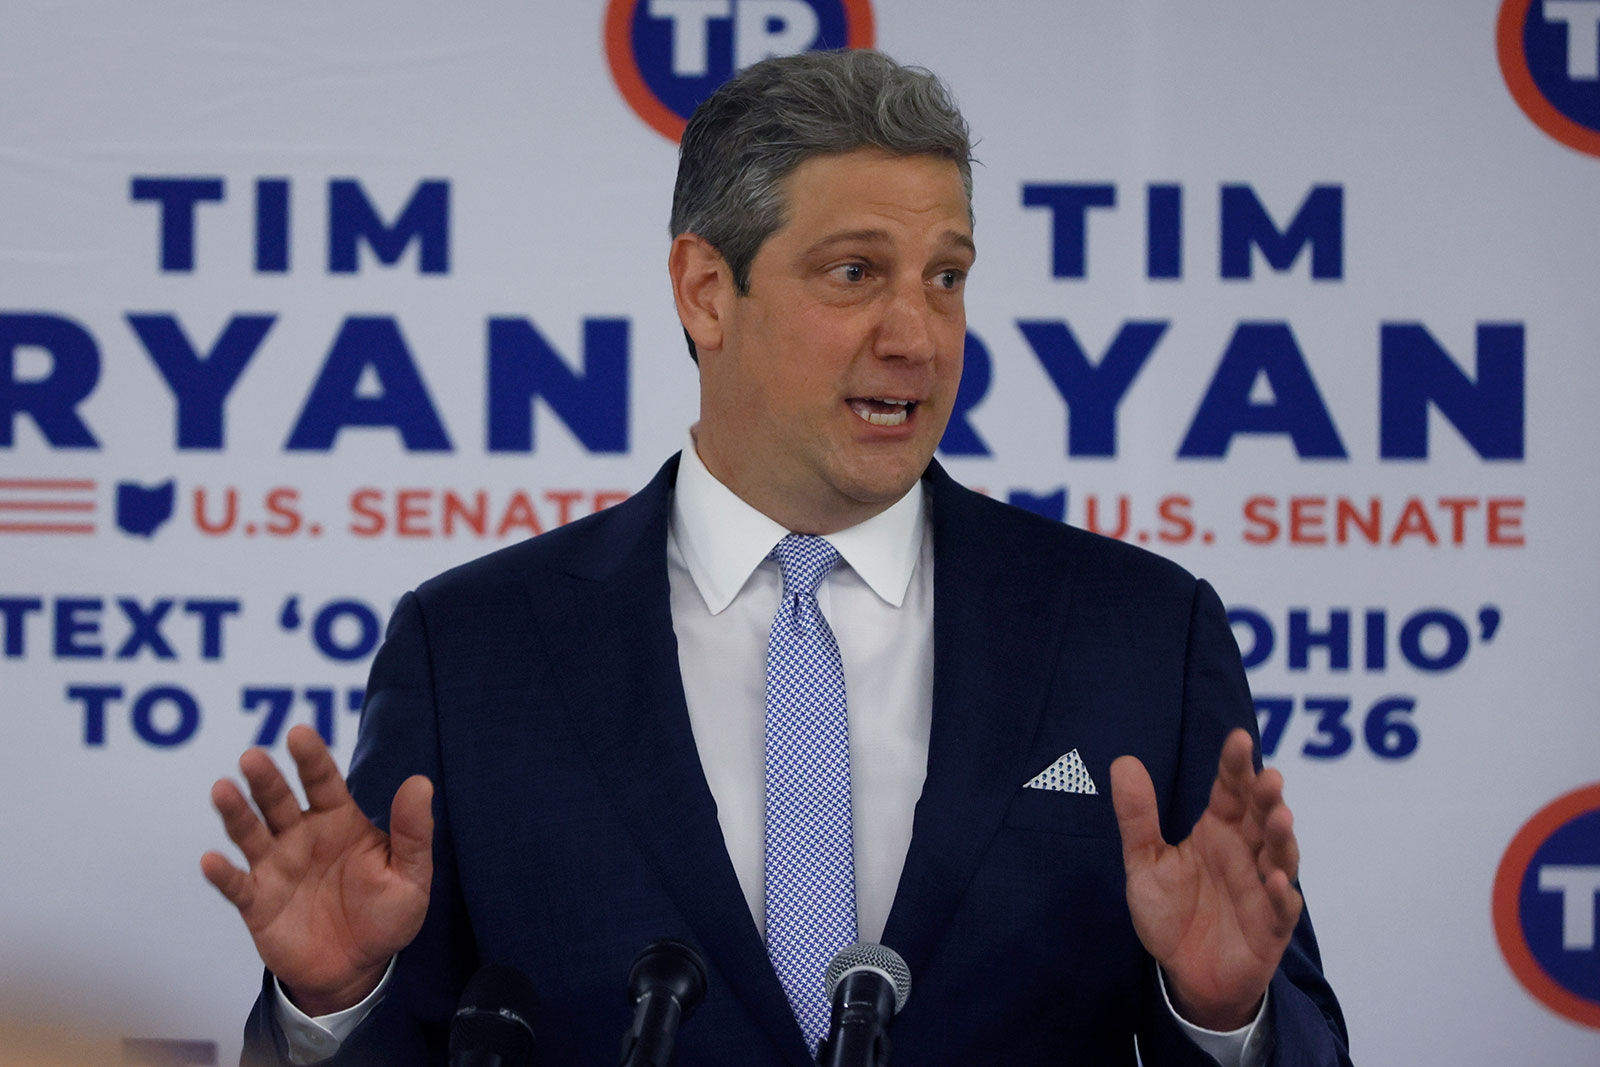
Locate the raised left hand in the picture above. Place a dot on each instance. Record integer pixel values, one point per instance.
(1215, 911)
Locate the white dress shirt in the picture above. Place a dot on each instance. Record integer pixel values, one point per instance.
(879, 603)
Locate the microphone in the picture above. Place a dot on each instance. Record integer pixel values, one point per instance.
(666, 984)
(868, 984)
(491, 1028)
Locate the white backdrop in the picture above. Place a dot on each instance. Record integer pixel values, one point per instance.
(1444, 233)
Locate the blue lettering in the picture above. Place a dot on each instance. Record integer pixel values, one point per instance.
(1261, 636)
(51, 401)
(367, 630)
(211, 613)
(1164, 234)
(1417, 371)
(1069, 206)
(146, 630)
(77, 618)
(177, 197)
(352, 219)
(1319, 223)
(402, 402)
(1457, 640)
(1092, 391)
(272, 225)
(144, 716)
(1336, 639)
(1270, 349)
(200, 384)
(14, 611)
(960, 439)
(593, 404)
(1050, 505)
(95, 698)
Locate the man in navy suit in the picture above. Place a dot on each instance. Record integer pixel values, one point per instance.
(563, 741)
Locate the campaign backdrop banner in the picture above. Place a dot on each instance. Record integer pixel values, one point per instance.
(302, 303)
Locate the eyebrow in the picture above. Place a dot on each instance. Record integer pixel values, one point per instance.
(955, 237)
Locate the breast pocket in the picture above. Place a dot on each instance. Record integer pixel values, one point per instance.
(1072, 814)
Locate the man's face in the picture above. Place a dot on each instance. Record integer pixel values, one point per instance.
(835, 376)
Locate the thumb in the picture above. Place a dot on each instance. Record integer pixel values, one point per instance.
(1134, 798)
(411, 830)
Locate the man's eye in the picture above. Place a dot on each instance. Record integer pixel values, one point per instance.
(950, 279)
(851, 272)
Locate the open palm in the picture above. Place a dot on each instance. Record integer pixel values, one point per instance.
(328, 897)
(1217, 910)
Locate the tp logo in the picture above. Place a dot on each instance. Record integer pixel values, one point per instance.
(1545, 897)
(668, 55)
(1550, 57)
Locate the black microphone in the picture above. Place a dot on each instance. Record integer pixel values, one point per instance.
(868, 984)
(666, 984)
(492, 1026)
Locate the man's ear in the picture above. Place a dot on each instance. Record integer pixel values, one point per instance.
(702, 287)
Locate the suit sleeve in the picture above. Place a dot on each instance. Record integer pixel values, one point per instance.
(1307, 1025)
(399, 737)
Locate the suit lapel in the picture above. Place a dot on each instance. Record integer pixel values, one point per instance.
(612, 644)
(995, 635)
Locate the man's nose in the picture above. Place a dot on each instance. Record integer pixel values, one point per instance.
(906, 331)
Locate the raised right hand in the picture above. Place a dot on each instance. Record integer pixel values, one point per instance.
(329, 897)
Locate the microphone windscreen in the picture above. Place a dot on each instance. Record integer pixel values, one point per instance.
(866, 956)
(495, 1016)
(670, 967)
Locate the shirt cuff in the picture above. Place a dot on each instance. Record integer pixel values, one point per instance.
(313, 1039)
(1243, 1047)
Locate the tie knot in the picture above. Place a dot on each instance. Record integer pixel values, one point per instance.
(805, 560)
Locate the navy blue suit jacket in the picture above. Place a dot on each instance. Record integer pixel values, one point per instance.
(538, 687)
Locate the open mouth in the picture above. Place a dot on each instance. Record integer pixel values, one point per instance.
(881, 411)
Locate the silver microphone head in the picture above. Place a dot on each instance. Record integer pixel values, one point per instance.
(866, 956)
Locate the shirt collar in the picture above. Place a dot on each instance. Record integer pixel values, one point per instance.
(723, 539)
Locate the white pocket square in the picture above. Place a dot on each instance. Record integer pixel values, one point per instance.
(1065, 775)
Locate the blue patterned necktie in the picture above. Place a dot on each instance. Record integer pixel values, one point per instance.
(810, 852)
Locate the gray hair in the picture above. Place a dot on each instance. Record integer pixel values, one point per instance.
(749, 135)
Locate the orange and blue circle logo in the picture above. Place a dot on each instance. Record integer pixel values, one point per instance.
(1546, 895)
(668, 55)
(1550, 57)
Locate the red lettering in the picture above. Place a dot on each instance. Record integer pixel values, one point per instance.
(1177, 525)
(1091, 516)
(411, 512)
(1261, 528)
(230, 513)
(364, 502)
(1305, 520)
(475, 518)
(563, 499)
(281, 505)
(1413, 523)
(605, 498)
(519, 515)
(1505, 521)
(1346, 516)
(1458, 506)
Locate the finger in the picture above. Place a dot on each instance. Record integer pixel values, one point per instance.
(1235, 864)
(272, 795)
(1266, 794)
(1230, 793)
(1281, 849)
(411, 830)
(240, 822)
(1285, 901)
(319, 774)
(230, 881)
(1133, 797)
